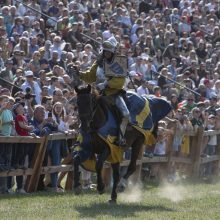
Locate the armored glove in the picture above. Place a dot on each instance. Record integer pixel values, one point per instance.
(99, 60)
(102, 86)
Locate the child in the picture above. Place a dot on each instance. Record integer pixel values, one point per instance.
(22, 128)
(7, 123)
(160, 147)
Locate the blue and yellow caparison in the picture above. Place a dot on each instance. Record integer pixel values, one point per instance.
(144, 113)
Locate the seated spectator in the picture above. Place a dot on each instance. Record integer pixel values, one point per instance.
(143, 90)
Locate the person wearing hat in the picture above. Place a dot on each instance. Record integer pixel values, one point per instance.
(110, 86)
(33, 85)
(210, 148)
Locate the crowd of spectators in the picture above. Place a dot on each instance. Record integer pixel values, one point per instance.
(41, 45)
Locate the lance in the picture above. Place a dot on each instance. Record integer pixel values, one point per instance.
(90, 38)
(33, 9)
(9, 83)
(175, 82)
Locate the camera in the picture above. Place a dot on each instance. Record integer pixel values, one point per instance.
(49, 114)
(28, 94)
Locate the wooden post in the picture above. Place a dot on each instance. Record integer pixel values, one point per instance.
(193, 151)
(198, 151)
(37, 162)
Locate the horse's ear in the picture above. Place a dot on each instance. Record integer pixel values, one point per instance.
(76, 89)
(89, 88)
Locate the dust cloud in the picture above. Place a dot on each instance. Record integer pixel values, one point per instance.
(132, 194)
(174, 193)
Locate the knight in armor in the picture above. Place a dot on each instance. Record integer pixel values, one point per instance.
(110, 86)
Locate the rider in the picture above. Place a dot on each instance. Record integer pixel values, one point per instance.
(111, 86)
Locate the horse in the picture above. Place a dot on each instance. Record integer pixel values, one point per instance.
(99, 126)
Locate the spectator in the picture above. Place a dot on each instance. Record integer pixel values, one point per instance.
(33, 85)
(7, 123)
(20, 150)
(143, 90)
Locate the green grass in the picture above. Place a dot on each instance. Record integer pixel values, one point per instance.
(187, 200)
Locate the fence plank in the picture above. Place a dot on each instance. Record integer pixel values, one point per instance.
(209, 159)
(36, 164)
(56, 169)
(17, 172)
(21, 139)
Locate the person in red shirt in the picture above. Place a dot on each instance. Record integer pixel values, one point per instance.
(20, 150)
(21, 123)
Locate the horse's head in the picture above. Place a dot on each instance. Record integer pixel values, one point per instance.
(86, 103)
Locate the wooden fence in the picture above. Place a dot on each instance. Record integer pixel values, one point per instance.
(193, 161)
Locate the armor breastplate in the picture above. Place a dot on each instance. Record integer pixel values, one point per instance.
(100, 75)
(117, 68)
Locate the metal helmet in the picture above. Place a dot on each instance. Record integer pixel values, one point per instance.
(110, 45)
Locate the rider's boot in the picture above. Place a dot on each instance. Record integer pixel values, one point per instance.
(121, 141)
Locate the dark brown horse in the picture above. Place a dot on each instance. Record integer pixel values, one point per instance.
(98, 122)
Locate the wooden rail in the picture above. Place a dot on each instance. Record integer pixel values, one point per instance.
(194, 161)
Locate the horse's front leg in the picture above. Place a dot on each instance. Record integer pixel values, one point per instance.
(116, 176)
(99, 166)
(77, 184)
(135, 150)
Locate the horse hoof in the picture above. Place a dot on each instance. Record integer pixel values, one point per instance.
(121, 188)
(122, 185)
(112, 201)
(78, 190)
(101, 189)
(101, 192)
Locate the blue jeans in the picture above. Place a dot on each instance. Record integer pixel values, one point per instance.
(55, 155)
(5, 164)
(121, 105)
(210, 150)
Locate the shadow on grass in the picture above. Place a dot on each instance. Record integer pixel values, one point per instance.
(118, 210)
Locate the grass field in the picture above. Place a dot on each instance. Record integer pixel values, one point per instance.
(186, 200)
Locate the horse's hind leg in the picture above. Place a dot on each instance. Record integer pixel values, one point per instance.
(115, 168)
(99, 166)
(135, 150)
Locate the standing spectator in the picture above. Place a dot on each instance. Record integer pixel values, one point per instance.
(7, 122)
(20, 150)
(196, 119)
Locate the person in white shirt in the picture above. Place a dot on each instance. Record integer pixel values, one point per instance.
(143, 90)
(33, 85)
